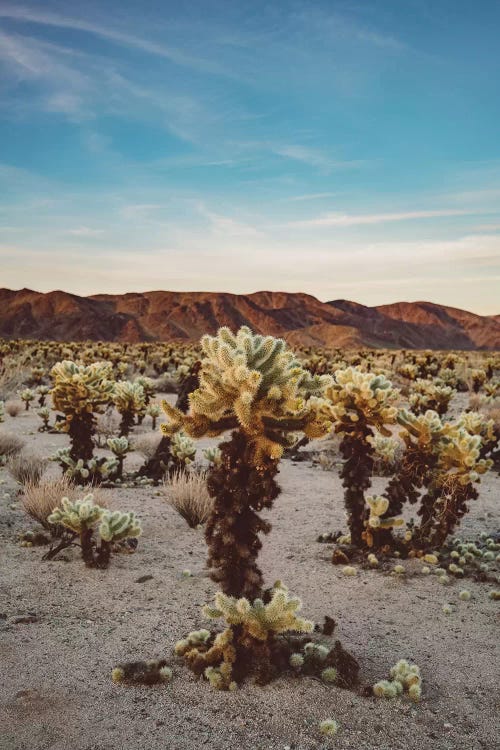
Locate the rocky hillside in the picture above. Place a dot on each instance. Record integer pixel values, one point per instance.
(300, 318)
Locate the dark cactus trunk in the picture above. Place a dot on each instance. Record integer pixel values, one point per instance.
(81, 429)
(240, 489)
(356, 478)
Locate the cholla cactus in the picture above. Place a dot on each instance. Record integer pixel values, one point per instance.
(153, 411)
(477, 378)
(213, 455)
(477, 424)
(93, 471)
(44, 415)
(120, 447)
(254, 385)
(182, 450)
(404, 677)
(359, 403)
(42, 392)
(429, 394)
(115, 527)
(27, 395)
(445, 459)
(258, 619)
(129, 399)
(81, 517)
(249, 641)
(2, 411)
(80, 392)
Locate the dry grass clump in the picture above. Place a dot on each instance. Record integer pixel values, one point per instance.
(146, 444)
(13, 408)
(40, 499)
(27, 467)
(12, 376)
(10, 444)
(187, 492)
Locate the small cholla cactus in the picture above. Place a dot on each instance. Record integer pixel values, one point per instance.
(213, 455)
(477, 378)
(404, 676)
(329, 727)
(120, 447)
(129, 399)
(95, 470)
(44, 415)
(115, 527)
(27, 395)
(81, 517)
(248, 644)
(182, 450)
(153, 411)
(42, 392)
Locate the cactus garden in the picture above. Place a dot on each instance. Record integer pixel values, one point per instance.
(243, 542)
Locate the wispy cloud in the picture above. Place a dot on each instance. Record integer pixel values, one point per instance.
(352, 220)
(175, 55)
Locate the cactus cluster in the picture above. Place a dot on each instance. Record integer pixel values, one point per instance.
(81, 517)
(430, 394)
(129, 400)
(405, 677)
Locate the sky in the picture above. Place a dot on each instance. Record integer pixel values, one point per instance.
(343, 148)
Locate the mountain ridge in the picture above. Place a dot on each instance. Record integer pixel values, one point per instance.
(300, 318)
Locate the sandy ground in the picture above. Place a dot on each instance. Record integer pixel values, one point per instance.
(56, 690)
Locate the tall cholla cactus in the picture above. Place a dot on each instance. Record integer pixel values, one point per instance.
(248, 644)
(359, 403)
(421, 435)
(80, 392)
(129, 399)
(444, 458)
(458, 469)
(255, 386)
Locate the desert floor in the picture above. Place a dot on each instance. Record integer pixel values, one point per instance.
(56, 691)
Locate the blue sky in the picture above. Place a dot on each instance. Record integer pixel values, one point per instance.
(344, 149)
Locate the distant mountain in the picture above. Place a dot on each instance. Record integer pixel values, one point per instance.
(300, 318)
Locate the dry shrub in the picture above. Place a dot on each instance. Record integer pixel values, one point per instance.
(13, 408)
(27, 467)
(146, 444)
(10, 444)
(40, 499)
(187, 492)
